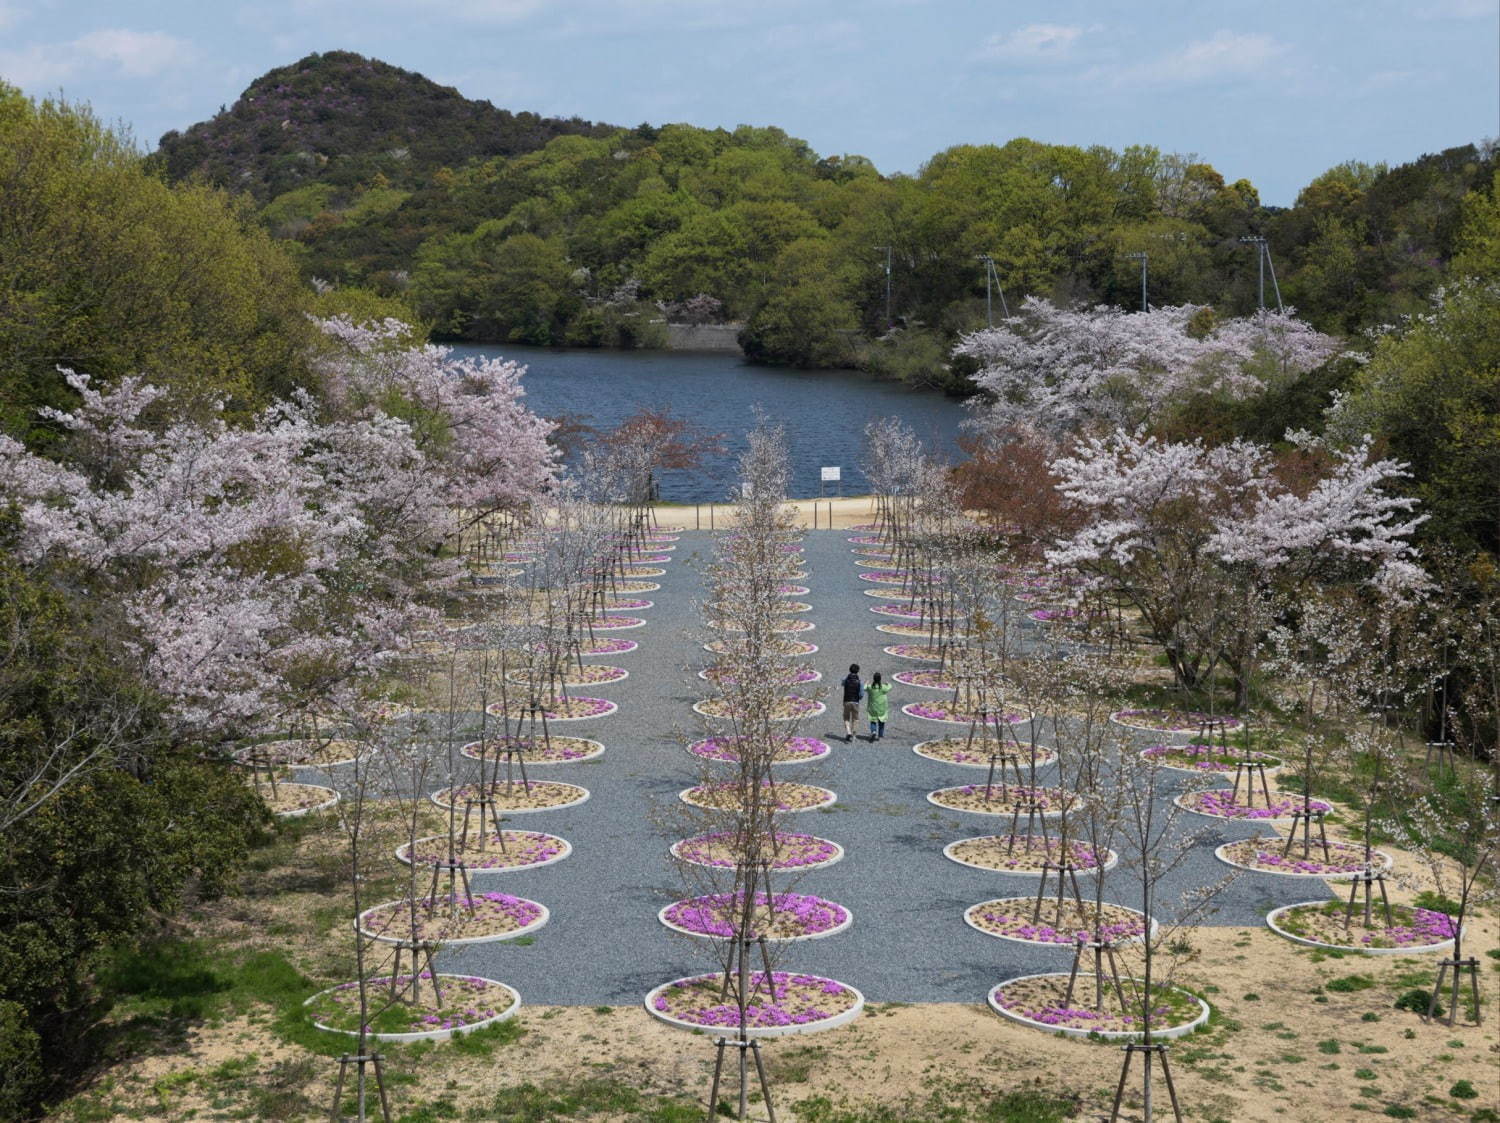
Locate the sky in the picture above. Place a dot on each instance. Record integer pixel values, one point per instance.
(1273, 91)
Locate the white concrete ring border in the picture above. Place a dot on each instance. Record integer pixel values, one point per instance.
(634, 645)
(1108, 1035)
(431, 1034)
(834, 931)
(524, 930)
(584, 798)
(1109, 863)
(834, 1022)
(1045, 943)
(838, 856)
(299, 812)
(913, 658)
(1051, 755)
(476, 871)
(812, 650)
(1386, 859)
(833, 797)
(1414, 949)
(595, 754)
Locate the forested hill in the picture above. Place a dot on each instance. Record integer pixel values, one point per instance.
(495, 226)
(341, 119)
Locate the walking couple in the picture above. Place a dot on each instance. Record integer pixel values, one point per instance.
(876, 698)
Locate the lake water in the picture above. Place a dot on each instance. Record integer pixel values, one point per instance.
(824, 412)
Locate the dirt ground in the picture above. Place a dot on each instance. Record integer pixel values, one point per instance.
(813, 514)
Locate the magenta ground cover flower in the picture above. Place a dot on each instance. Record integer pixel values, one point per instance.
(727, 749)
(1222, 804)
(799, 913)
(792, 851)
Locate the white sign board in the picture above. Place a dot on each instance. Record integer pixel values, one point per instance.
(830, 474)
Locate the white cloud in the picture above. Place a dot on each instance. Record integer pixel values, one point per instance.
(135, 54)
(138, 54)
(1036, 42)
(1223, 56)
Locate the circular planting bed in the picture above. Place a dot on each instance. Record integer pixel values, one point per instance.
(1039, 1001)
(905, 612)
(1010, 918)
(790, 708)
(1172, 721)
(866, 540)
(794, 750)
(636, 571)
(933, 711)
(491, 852)
(786, 649)
(292, 801)
(782, 627)
(1026, 854)
(1207, 758)
(884, 576)
(571, 708)
(1219, 803)
(790, 590)
(606, 645)
(997, 800)
(615, 623)
(536, 750)
(305, 752)
(781, 916)
(515, 798)
(917, 630)
(725, 796)
(927, 680)
(1263, 855)
(976, 753)
(1320, 924)
(783, 1004)
(657, 558)
(917, 652)
(574, 674)
(453, 920)
(636, 586)
(794, 852)
(725, 676)
(629, 604)
(469, 1003)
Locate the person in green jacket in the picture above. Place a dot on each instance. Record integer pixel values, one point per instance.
(877, 706)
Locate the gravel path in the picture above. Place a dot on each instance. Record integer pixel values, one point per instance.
(908, 941)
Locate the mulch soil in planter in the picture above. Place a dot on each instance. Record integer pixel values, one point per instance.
(572, 708)
(1206, 758)
(725, 676)
(782, 626)
(539, 795)
(793, 851)
(629, 604)
(573, 674)
(1004, 800)
(555, 749)
(468, 1000)
(305, 752)
(1411, 928)
(917, 652)
(918, 630)
(292, 800)
(615, 623)
(940, 711)
(1040, 998)
(522, 850)
(788, 709)
(1011, 918)
(786, 649)
(605, 645)
(782, 916)
(634, 571)
(725, 796)
(792, 750)
(798, 1000)
(1171, 721)
(976, 753)
(1263, 855)
(636, 586)
(1219, 803)
(1026, 853)
(883, 577)
(484, 916)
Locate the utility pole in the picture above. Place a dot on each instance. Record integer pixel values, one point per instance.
(1262, 260)
(887, 285)
(990, 274)
(1141, 257)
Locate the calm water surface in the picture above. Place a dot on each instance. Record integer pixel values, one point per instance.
(824, 412)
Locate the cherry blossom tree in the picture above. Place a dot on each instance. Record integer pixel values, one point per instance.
(1065, 370)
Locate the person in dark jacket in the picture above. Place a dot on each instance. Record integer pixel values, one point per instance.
(854, 692)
